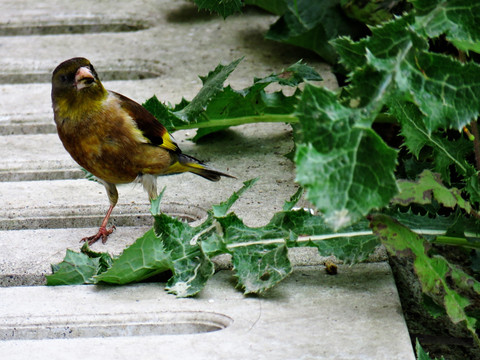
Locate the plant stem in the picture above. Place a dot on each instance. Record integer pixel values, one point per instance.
(301, 239)
(440, 238)
(289, 118)
(454, 241)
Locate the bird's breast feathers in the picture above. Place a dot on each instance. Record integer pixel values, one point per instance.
(108, 143)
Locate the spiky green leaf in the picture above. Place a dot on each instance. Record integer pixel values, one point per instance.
(345, 167)
(438, 278)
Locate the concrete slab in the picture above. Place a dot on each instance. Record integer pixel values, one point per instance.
(311, 315)
(247, 152)
(27, 254)
(242, 150)
(27, 108)
(178, 45)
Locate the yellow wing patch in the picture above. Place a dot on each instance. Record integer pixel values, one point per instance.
(177, 167)
(168, 142)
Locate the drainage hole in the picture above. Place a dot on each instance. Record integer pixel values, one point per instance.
(114, 325)
(107, 75)
(56, 29)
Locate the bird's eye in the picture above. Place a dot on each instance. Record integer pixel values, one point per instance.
(63, 78)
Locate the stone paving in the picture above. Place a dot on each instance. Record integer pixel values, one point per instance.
(139, 49)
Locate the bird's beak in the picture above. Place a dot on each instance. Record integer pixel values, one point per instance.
(83, 78)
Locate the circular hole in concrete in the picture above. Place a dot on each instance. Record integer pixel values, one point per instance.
(185, 212)
(58, 217)
(79, 28)
(114, 325)
(109, 75)
(115, 70)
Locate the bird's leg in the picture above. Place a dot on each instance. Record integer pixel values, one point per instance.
(103, 232)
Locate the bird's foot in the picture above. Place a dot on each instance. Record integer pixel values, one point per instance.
(102, 233)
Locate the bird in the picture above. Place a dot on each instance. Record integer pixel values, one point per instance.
(113, 137)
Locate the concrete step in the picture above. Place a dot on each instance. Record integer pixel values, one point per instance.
(311, 315)
(247, 152)
(161, 54)
(28, 254)
(31, 113)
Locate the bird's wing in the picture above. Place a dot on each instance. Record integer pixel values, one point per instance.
(150, 127)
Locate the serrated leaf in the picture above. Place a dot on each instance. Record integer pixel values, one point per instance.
(187, 113)
(145, 258)
(352, 53)
(446, 100)
(76, 268)
(191, 268)
(292, 76)
(335, 165)
(457, 19)
(214, 244)
(259, 268)
(300, 228)
(446, 152)
(289, 204)
(353, 245)
(105, 259)
(415, 74)
(155, 203)
(164, 114)
(427, 186)
(216, 107)
(385, 42)
(311, 24)
(423, 224)
(253, 101)
(222, 208)
(212, 84)
(191, 274)
(231, 107)
(437, 276)
(186, 250)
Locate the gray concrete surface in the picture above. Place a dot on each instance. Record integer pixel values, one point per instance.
(139, 49)
(311, 315)
(245, 152)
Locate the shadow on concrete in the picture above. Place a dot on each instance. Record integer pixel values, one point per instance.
(189, 13)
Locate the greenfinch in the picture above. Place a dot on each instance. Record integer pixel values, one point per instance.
(113, 137)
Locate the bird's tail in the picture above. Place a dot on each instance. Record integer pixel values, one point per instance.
(186, 163)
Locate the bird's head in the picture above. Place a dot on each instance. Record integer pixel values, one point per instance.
(76, 86)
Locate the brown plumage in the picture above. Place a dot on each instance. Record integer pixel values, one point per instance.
(113, 137)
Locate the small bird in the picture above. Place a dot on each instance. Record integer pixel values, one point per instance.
(113, 137)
